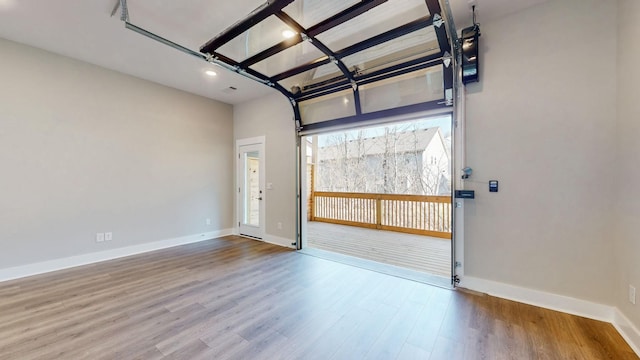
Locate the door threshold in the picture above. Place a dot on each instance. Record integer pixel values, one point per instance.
(250, 237)
(387, 269)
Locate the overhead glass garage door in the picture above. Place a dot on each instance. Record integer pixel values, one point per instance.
(344, 61)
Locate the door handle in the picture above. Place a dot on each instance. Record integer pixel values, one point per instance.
(260, 198)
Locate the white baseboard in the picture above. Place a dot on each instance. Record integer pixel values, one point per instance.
(543, 299)
(277, 240)
(85, 259)
(271, 239)
(557, 302)
(628, 331)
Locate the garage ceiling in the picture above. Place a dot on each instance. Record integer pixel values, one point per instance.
(85, 30)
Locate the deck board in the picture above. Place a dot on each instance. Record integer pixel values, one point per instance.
(422, 253)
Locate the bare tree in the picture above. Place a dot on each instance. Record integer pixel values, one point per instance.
(402, 160)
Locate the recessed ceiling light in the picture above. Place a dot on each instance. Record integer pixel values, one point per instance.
(211, 73)
(288, 34)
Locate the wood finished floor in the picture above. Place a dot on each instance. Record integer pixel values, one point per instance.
(235, 298)
(416, 252)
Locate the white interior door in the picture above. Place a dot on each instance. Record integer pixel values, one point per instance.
(251, 188)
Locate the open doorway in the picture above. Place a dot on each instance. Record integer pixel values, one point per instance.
(383, 194)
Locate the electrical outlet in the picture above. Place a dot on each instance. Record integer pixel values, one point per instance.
(99, 237)
(208, 221)
(279, 226)
(632, 294)
(108, 236)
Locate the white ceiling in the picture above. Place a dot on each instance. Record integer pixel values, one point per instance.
(85, 30)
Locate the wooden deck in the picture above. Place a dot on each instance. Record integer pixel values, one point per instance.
(422, 253)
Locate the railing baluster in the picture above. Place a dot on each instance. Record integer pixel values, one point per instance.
(413, 214)
(332, 207)
(438, 216)
(405, 213)
(421, 214)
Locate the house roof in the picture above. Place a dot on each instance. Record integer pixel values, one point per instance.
(402, 142)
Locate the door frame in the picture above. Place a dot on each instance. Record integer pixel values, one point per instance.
(259, 141)
(457, 147)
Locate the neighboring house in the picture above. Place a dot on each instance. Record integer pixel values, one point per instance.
(413, 161)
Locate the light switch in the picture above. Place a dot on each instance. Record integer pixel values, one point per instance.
(493, 185)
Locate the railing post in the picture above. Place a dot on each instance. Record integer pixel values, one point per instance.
(312, 206)
(378, 212)
(312, 196)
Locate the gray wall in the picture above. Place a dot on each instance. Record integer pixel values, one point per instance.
(627, 170)
(542, 122)
(86, 150)
(272, 117)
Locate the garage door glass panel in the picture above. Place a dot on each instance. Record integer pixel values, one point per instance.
(412, 88)
(260, 37)
(382, 18)
(311, 77)
(290, 58)
(328, 107)
(414, 45)
(312, 12)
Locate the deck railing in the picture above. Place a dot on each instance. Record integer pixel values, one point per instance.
(415, 214)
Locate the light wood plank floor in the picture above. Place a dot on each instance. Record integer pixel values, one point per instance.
(235, 298)
(415, 252)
